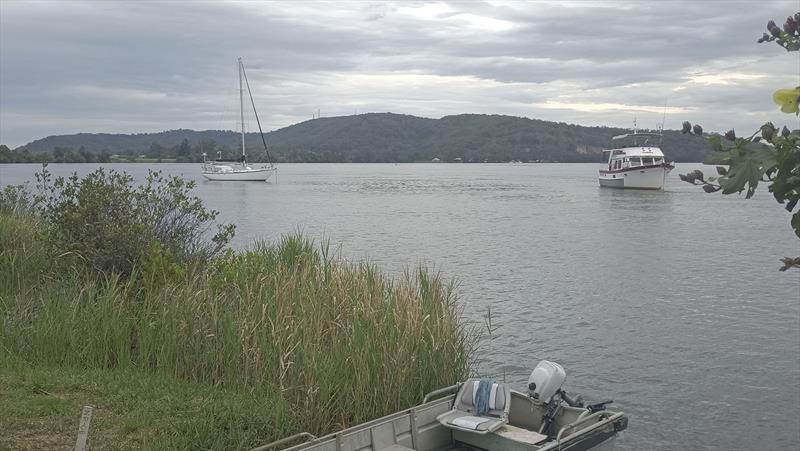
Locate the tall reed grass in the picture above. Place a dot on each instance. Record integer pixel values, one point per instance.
(24, 253)
(324, 342)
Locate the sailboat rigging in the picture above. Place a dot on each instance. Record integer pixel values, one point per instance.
(219, 169)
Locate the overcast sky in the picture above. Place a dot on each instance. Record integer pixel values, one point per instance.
(101, 66)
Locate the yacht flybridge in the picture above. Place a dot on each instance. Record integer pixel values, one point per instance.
(238, 169)
(481, 415)
(638, 163)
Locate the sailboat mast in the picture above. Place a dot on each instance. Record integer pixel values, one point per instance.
(241, 103)
(255, 113)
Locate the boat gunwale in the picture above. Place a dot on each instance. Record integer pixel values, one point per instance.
(371, 423)
(610, 417)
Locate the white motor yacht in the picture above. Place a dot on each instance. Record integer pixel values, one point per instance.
(640, 164)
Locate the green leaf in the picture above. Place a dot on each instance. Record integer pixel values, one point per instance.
(796, 223)
(748, 164)
(721, 150)
(792, 46)
(792, 202)
(716, 142)
(715, 158)
(782, 187)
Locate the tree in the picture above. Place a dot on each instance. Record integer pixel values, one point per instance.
(86, 157)
(5, 154)
(155, 150)
(208, 145)
(768, 155)
(184, 150)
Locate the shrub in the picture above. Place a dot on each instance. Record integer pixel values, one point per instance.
(15, 199)
(113, 223)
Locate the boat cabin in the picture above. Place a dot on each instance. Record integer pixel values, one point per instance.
(635, 155)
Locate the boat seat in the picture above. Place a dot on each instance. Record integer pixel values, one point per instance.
(463, 416)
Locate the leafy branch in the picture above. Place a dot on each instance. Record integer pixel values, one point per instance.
(788, 37)
(768, 155)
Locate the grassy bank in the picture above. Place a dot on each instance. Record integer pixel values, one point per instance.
(132, 410)
(241, 350)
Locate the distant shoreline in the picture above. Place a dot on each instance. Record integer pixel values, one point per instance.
(374, 137)
(336, 162)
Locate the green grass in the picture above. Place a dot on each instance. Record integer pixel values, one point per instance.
(249, 348)
(132, 410)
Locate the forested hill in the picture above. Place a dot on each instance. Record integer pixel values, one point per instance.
(378, 137)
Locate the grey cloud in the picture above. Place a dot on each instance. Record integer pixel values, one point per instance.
(90, 66)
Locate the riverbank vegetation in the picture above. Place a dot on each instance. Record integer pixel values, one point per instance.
(195, 346)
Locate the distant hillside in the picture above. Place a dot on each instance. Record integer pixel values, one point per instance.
(382, 137)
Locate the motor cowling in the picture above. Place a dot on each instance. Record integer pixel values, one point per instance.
(546, 380)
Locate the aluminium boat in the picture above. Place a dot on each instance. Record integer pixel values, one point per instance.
(639, 163)
(481, 415)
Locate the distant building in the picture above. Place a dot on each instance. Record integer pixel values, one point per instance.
(436, 160)
(457, 160)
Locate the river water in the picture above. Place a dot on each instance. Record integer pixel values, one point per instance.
(669, 303)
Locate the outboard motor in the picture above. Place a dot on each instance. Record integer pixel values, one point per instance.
(544, 385)
(546, 380)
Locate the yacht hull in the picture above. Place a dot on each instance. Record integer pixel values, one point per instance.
(636, 178)
(245, 175)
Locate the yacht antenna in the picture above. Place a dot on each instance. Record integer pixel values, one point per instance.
(252, 102)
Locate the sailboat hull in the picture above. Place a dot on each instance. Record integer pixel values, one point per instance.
(241, 175)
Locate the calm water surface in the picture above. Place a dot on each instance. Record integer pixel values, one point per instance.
(669, 302)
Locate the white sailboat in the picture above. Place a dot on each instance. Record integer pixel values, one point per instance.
(239, 170)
